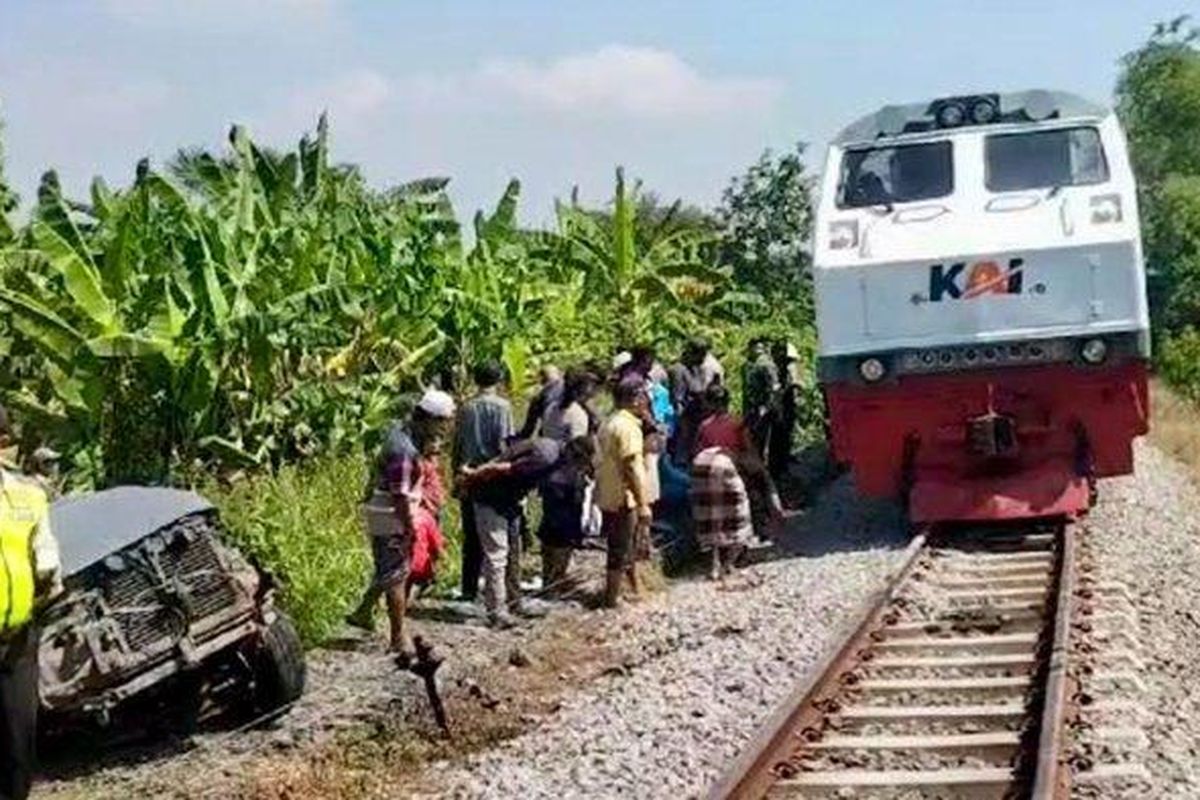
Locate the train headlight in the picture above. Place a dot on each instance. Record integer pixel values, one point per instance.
(1094, 351)
(983, 112)
(871, 369)
(951, 115)
(1039, 105)
(843, 234)
(1106, 208)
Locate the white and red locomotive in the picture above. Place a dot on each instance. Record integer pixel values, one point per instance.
(981, 304)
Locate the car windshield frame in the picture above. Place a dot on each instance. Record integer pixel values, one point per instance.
(1100, 175)
(853, 158)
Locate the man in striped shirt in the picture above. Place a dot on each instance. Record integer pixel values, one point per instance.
(391, 500)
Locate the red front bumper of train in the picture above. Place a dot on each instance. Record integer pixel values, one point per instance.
(999, 444)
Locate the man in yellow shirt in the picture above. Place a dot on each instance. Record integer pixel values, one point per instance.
(622, 488)
(29, 578)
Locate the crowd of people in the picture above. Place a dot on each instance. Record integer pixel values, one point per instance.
(669, 454)
(669, 461)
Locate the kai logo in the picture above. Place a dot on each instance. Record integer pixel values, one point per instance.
(962, 281)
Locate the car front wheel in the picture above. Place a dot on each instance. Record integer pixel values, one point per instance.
(280, 671)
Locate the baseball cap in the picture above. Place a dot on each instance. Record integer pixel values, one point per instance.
(437, 403)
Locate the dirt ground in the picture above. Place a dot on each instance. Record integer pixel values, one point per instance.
(364, 726)
(361, 711)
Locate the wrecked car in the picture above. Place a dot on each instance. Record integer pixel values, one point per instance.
(160, 614)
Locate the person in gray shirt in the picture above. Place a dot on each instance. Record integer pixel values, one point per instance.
(485, 422)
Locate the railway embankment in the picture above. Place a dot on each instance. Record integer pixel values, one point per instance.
(656, 700)
(1146, 536)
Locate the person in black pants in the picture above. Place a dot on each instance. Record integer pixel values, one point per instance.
(18, 713)
(472, 551)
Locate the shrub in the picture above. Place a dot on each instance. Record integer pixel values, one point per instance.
(302, 524)
(1179, 362)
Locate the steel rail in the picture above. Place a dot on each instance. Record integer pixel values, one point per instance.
(750, 775)
(1052, 776)
(776, 758)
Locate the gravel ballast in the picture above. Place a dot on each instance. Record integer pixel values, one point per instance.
(655, 700)
(708, 663)
(1145, 534)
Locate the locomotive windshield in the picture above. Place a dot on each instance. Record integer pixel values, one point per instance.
(904, 173)
(1045, 159)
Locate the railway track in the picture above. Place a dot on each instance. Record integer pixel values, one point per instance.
(953, 684)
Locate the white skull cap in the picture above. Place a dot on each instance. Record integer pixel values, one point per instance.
(437, 403)
(621, 359)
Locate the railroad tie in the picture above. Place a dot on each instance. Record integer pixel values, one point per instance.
(998, 779)
(1015, 682)
(948, 741)
(1003, 642)
(879, 714)
(1038, 580)
(953, 662)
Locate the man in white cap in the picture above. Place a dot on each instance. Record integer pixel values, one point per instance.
(391, 497)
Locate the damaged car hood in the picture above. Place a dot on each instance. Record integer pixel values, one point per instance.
(91, 526)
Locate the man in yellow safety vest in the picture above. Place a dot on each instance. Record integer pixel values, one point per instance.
(29, 577)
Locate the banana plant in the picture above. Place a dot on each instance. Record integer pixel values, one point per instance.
(640, 269)
(194, 312)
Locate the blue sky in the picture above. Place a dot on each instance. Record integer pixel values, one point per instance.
(684, 94)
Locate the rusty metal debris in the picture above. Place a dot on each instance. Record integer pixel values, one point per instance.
(424, 664)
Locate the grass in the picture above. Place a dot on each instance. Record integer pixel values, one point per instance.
(303, 523)
(1175, 424)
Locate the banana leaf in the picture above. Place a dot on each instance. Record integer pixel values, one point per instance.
(39, 323)
(80, 275)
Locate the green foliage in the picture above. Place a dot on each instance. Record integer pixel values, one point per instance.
(256, 317)
(244, 311)
(658, 276)
(1179, 362)
(1158, 98)
(8, 198)
(766, 217)
(302, 523)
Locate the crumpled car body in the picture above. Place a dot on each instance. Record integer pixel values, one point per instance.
(155, 602)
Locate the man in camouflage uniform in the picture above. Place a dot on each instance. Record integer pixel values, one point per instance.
(787, 365)
(760, 390)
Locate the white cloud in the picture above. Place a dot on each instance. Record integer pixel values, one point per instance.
(349, 96)
(630, 81)
(223, 15)
(616, 83)
(613, 82)
(554, 124)
(353, 100)
(86, 95)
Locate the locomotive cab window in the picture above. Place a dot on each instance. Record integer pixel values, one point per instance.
(1045, 160)
(880, 176)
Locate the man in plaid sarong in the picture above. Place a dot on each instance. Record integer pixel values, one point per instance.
(720, 508)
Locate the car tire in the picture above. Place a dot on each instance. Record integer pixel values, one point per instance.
(281, 668)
